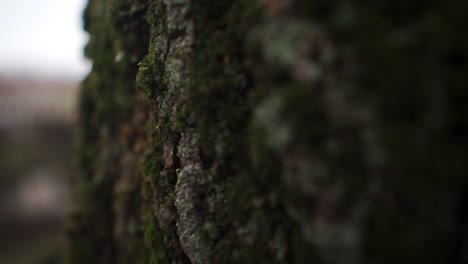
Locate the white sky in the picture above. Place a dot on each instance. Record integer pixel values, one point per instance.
(42, 37)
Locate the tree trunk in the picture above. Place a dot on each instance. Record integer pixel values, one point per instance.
(274, 131)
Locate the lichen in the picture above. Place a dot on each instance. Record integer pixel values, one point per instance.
(272, 131)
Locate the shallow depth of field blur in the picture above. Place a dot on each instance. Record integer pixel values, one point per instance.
(41, 65)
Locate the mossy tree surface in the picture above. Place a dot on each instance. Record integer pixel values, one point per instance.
(242, 131)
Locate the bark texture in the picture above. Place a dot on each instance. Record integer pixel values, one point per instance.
(274, 131)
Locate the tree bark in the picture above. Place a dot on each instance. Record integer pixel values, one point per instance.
(274, 131)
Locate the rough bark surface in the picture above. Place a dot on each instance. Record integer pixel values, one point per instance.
(274, 131)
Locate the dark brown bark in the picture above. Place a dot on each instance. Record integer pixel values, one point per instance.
(240, 131)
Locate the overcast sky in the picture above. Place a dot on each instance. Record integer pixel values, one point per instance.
(42, 37)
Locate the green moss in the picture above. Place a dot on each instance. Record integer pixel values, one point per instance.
(153, 238)
(106, 104)
(153, 165)
(313, 131)
(219, 77)
(151, 69)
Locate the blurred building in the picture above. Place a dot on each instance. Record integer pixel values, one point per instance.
(34, 101)
(36, 131)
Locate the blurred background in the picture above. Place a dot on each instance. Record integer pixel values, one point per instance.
(41, 66)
